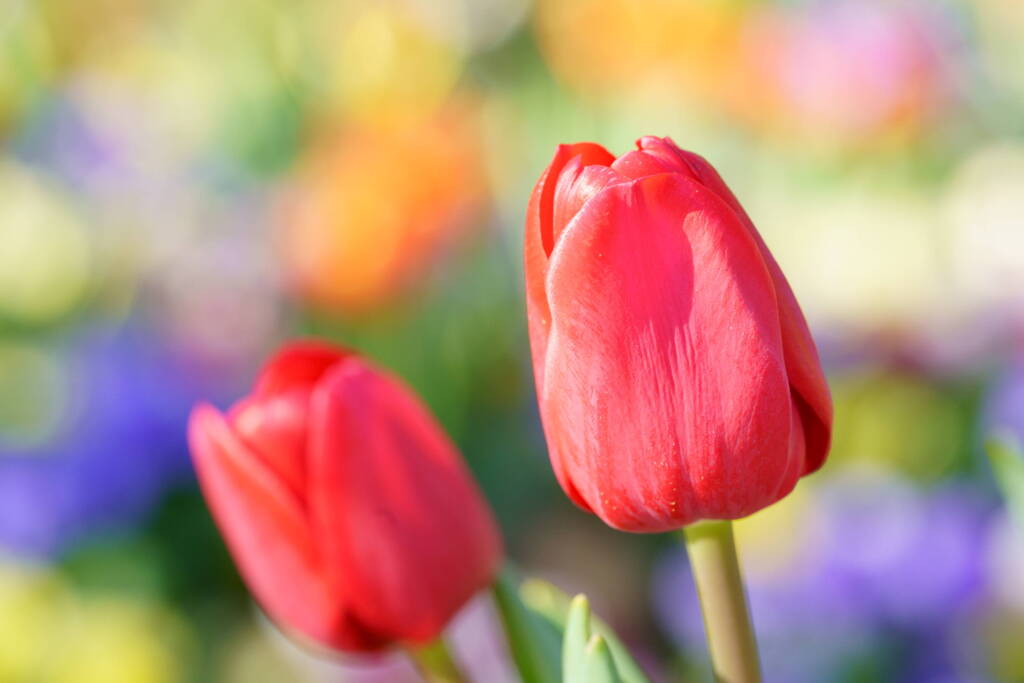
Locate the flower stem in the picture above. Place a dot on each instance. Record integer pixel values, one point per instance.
(716, 572)
(435, 663)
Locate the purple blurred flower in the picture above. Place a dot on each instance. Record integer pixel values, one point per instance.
(801, 635)
(892, 570)
(856, 68)
(910, 557)
(1004, 407)
(61, 137)
(118, 443)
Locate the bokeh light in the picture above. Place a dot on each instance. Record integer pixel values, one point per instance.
(185, 184)
(371, 208)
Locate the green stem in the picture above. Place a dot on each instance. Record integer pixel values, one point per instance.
(435, 663)
(723, 601)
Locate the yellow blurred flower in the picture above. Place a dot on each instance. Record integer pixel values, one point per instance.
(117, 641)
(473, 25)
(250, 657)
(80, 29)
(51, 635)
(1000, 631)
(45, 259)
(381, 63)
(896, 421)
(28, 59)
(679, 47)
(773, 539)
(1000, 25)
(1002, 624)
(861, 257)
(372, 206)
(32, 603)
(985, 214)
(33, 394)
(196, 74)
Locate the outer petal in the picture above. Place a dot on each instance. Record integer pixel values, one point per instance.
(398, 515)
(272, 422)
(576, 185)
(299, 364)
(538, 244)
(268, 536)
(540, 238)
(809, 386)
(638, 163)
(274, 428)
(666, 397)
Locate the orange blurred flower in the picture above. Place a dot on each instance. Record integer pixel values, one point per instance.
(371, 207)
(677, 47)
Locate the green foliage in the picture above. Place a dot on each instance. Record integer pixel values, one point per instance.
(556, 606)
(1008, 466)
(585, 654)
(535, 643)
(553, 638)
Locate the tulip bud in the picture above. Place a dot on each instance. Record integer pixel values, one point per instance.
(676, 376)
(349, 513)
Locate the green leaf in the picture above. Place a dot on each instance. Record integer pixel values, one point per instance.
(600, 667)
(555, 605)
(1008, 466)
(536, 617)
(534, 642)
(574, 642)
(585, 655)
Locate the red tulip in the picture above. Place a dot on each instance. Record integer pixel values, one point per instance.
(676, 376)
(349, 513)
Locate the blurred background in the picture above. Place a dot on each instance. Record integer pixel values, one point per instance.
(185, 184)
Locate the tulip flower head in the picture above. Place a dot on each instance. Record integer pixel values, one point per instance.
(348, 511)
(675, 372)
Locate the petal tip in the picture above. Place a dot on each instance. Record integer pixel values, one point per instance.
(299, 362)
(203, 418)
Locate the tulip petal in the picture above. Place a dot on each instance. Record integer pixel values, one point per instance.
(272, 421)
(268, 535)
(576, 184)
(299, 364)
(394, 507)
(803, 365)
(637, 164)
(665, 396)
(538, 244)
(540, 232)
(274, 428)
(670, 156)
(590, 154)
